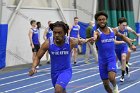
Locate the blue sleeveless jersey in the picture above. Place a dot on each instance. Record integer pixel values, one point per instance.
(35, 36)
(49, 33)
(74, 31)
(125, 32)
(106, 45)
(60, 55)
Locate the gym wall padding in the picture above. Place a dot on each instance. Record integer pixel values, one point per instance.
(3, 43)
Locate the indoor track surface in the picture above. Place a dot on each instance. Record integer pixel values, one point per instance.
(85, 79)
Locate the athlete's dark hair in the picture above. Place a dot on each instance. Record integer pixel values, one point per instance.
(32, 21)
(76, 18)
(38, 24)
(121, 20)
(99, 14)
(60, 24)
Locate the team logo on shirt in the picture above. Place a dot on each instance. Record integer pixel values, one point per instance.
(107, 40)
(35, 32)
(60, 53)
(75, 28)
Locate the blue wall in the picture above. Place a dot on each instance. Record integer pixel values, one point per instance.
(3, 43)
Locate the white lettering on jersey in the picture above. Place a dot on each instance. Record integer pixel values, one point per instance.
(60, 53)
(107, 40)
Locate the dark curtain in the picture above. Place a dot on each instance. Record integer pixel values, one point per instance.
(116, 9)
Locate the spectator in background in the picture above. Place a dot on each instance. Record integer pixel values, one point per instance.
(74, 32)
(90, 47)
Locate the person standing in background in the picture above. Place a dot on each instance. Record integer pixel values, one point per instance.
(90, 47)
(74, 32)
(34, 38)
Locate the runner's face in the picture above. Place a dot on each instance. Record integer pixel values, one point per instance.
(34, 24)
(102, 21)
(123, 25)
(58, 34)
(76, 21)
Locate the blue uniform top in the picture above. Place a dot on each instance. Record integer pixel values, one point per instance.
(106, 45)
(60, 55)
(49, 33)
(125, 32)
(35, 36)
(74, 31)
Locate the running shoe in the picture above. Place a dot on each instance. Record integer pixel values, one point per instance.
(115, 89)
(122, 79)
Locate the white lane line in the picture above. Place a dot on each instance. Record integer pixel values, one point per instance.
(40, 70)
(100, 83)
(135, 67)
(84, 78)
(42, 75)
(135, 52)
(12, 76)
(70, 82)
(49, 68)
(39, 82)
(22, 79)
(79, 69)
(38, 76)
(87, 69)
(130, 86)
(26, 86)
(23, 74)
(85, 64)
(134, 57)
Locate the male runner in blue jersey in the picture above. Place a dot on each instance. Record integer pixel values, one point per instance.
(104, 37)
(122, 49)
(74, 32)
(34, 38)
(59, 47)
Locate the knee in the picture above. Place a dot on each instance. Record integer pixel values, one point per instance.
(58, 89)
(111, 79)
(129, 51)
(112, 76)
(123, 59)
